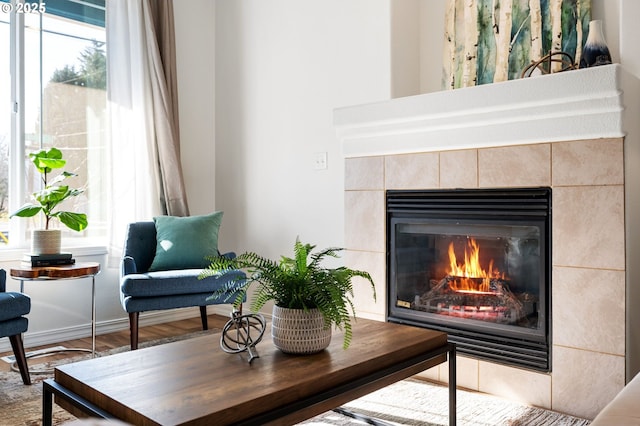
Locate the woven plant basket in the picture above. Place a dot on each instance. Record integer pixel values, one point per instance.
(45, 241)
(295, 331)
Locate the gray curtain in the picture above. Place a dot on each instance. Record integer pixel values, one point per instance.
(161, 48)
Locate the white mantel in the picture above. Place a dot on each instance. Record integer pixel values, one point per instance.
(573, 105)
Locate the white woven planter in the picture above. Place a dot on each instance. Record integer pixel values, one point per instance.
(295, 331)
(45, 241)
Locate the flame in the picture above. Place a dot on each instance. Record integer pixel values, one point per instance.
(470, 276)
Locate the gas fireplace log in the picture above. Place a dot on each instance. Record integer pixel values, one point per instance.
(495, 302)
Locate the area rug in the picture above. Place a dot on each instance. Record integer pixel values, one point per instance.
(416, 402)
(409, 402)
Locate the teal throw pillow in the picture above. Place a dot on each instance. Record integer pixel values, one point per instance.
(184, 242)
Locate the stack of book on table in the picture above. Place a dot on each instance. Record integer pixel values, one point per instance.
(55, 259)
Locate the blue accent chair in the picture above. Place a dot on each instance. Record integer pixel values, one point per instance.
(141, 290)
(13, 307)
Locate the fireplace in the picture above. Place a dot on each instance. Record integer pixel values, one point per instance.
(561, 131)
(475, 264)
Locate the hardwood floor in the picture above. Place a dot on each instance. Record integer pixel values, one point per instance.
(121, 338)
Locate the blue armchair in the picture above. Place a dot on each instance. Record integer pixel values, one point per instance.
(142, 290)
(12, 323)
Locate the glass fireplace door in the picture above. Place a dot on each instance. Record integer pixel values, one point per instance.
(487, 273)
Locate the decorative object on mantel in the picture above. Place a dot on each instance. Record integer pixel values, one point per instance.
(487, 41)
(47, 240)
(544, 65)
(595, 50)
(242, 333)
(299, 284)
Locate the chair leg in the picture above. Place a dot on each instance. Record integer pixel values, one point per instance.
(133, 329)
(18, 350)
(203, 317)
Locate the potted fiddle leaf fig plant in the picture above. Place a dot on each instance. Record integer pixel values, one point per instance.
(308, 298)
(47, 201)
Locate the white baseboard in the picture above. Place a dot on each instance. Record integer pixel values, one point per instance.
(104, 327)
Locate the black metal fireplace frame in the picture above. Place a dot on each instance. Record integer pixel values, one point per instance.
(494, 342)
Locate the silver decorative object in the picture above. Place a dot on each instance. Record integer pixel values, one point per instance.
(242, 333)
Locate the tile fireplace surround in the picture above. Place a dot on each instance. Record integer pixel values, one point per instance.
(564, 131)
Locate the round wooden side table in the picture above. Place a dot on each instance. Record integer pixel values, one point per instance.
(63, 272)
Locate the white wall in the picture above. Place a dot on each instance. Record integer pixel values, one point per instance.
(405, 48)
(195, 57)
(431, 44)
(282, 66)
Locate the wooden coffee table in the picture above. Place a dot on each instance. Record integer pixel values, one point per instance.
(194, 382)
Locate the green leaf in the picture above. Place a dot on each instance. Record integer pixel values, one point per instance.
(46, 160)
(50, 163)
(52, 194)
(75, 221)
(27, 210)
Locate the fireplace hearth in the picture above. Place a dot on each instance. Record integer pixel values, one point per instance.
(475, 264)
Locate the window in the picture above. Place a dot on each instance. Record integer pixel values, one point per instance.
(54, 74)
(5, 126)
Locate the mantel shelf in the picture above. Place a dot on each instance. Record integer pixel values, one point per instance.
(573, 105)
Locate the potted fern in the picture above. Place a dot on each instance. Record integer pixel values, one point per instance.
(48, 199)
(309, 298)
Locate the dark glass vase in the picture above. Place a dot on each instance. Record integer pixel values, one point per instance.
(595, 51)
